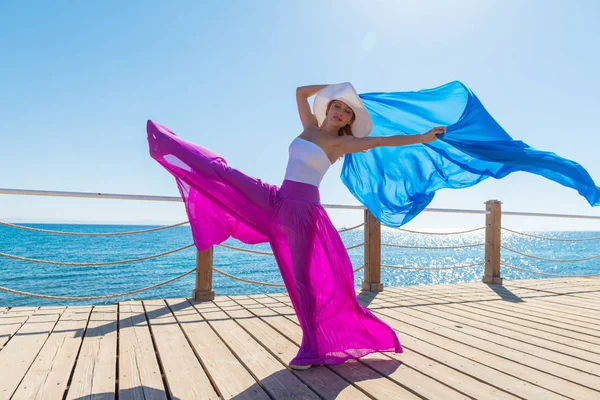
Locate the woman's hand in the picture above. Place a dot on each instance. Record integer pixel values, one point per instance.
(432, 135)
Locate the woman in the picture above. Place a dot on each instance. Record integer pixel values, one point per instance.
(316, 269)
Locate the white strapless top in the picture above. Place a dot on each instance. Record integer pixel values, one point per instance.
(307, 162)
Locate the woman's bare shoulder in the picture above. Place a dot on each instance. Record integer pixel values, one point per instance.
(310, 133)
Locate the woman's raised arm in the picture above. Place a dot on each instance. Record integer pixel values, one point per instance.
(302, 95)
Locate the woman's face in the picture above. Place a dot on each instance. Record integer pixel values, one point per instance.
(340, 113)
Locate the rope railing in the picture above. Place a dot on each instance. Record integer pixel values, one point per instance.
(546, 273)
(101, 264)
(351, 228)
(358, 269)
(237, 278)
(27, 228)
(136, 291)
(355, 246)
(549, 259)
(547, 238)
(110, 296)
(72, 264)
(262, 253)
(432, 268)
(432, 247)
(267, 253)
(441, 233)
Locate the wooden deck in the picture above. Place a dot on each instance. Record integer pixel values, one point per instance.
(533, 339)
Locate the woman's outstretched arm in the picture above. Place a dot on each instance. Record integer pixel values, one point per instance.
(354, 145)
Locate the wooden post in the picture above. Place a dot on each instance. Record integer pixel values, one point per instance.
(492, 242)
(203, 290)
(372, 281)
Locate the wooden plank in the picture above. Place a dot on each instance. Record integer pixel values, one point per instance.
(517, 321)
(10, 323)
(186, 379)
(525, 367)
(50, 310)
(391, 369)
(277, 381)
(19, 311)
(411, 378)
(373, 382)
(426, 299)
(463, 358)
(553, 283)
(556, 302)
(457, 380)
(50, 372)
(590, 327)
(545, 324)
(226, 371)
(139, 373)
(492, 344)
(23, 309)
(567, 312)
(570, 346)
(18, 354)
(510, 288)
(590, 342)
(437, 370)
(320, 379)
(474, 294)
(583, 294)
(564, 300)
(471, 293)
(525, 307)
(95, 372)
(499, 334)
(562, 297)
(556, 282)
(586, 297)
(585, 350)
(534, 290)
(484, 291)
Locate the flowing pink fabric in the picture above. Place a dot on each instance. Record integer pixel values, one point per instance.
(222, 202)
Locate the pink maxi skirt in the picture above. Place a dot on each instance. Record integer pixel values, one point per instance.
(222, 202)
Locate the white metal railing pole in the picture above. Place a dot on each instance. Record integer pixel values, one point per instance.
(88, 195)
(338, 206)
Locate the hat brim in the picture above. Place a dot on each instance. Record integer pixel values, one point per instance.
(345, 92)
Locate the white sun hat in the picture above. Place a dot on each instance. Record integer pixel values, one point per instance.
(362, 125)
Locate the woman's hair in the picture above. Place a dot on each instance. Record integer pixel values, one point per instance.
(344, 130)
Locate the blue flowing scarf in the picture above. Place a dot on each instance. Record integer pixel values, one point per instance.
(397, 183)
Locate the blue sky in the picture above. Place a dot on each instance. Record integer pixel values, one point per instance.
(80, 79)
